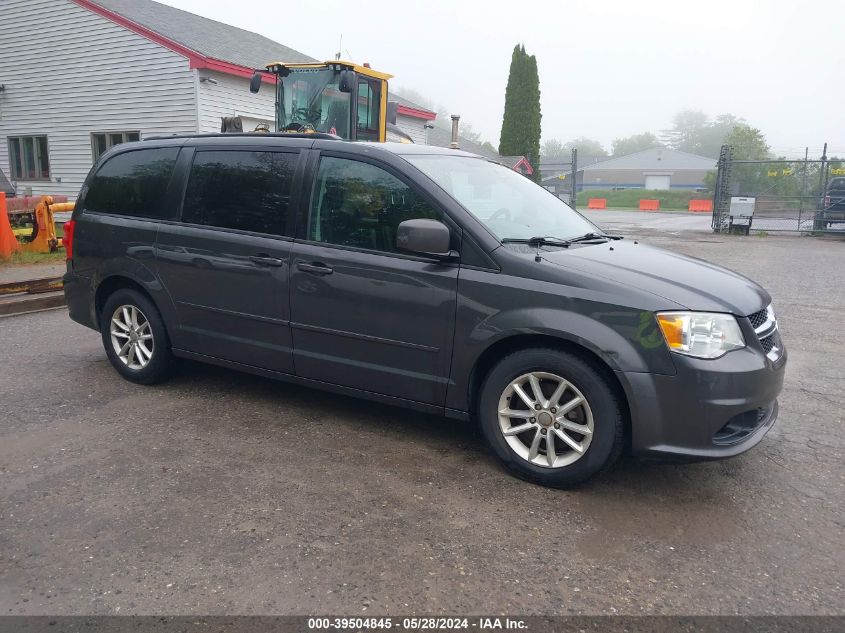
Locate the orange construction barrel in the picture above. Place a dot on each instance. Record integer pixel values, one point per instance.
(8, 242)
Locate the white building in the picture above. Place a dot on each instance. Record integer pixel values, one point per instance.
(79, 76)
(414, 119)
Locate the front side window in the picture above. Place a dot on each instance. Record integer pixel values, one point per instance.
(101, 142)
(248, 191)
(361, 205)
(133, 183)
(28, 158)
(507, 203)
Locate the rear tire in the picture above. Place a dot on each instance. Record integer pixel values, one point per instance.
(134, 337)
(577, 412)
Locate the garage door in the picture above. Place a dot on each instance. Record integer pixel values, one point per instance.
(657, 182)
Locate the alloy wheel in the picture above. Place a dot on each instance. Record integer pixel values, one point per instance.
(132, 337)
(545, 419)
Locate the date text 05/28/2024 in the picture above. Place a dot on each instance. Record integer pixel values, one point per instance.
(417, 624)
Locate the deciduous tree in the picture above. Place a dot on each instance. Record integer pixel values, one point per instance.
(635, 143)
(585, 146)
(692, 131)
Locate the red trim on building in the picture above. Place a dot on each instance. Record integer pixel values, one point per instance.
(416, 112)
(195, 59)
(228, 68)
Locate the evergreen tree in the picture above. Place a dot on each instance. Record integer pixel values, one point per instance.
(521, 122)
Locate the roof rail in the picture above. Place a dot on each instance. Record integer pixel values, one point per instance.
(311, 135)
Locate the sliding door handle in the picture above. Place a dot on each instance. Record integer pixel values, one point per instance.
(265, 260)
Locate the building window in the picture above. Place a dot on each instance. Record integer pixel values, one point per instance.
(103, 141)
(28, 158)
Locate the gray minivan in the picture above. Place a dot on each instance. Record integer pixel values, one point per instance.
(422, 277)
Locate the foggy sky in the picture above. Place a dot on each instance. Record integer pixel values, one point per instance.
(607, 68)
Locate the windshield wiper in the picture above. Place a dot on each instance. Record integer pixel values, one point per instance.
(554, 241)
(593, 236)
(536, 241)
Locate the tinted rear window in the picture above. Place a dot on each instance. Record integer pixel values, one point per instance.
(133, 183)
(242, 190)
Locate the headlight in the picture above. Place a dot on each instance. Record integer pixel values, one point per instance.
(700, 334)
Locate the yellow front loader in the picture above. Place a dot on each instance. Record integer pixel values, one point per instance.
(43, 237)
(335, 97)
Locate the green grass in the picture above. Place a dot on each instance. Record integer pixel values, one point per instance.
(25, 258)
(59, 229)
(630, 198)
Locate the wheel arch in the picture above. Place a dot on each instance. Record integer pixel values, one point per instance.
(112, 284)
(521, 341)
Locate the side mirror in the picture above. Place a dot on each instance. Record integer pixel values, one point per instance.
(347, 81)
(425, 237)
(392, 111)
(255, 82)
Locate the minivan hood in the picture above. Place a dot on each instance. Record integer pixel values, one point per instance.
(686, 281)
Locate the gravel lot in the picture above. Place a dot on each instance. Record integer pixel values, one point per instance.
(220, 492)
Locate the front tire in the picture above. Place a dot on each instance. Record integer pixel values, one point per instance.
(550, 417)
(134, 337)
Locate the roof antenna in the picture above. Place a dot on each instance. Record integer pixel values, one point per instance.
(339, 48)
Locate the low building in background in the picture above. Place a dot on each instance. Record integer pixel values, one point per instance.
(656, 169)
(558, 166)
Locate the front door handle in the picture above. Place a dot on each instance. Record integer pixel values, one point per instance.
(317, 268)
(265, 260)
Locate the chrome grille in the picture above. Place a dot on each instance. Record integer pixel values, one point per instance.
(770, 342)
(766, 327)
(758, 318)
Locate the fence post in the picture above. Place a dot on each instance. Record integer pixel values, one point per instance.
(715, 222)
(803, 186)
(573, 186)
(818, 222)
(721, 199)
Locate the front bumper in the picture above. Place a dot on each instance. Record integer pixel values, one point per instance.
(709, 409)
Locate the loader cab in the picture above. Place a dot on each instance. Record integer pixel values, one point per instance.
(336, 97)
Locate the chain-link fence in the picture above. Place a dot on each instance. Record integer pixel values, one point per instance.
(565, 184)
(805, 195)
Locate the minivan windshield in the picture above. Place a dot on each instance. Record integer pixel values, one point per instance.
(507, 203)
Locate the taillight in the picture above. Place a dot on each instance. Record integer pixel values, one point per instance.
(826, 202)
(67, 240)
